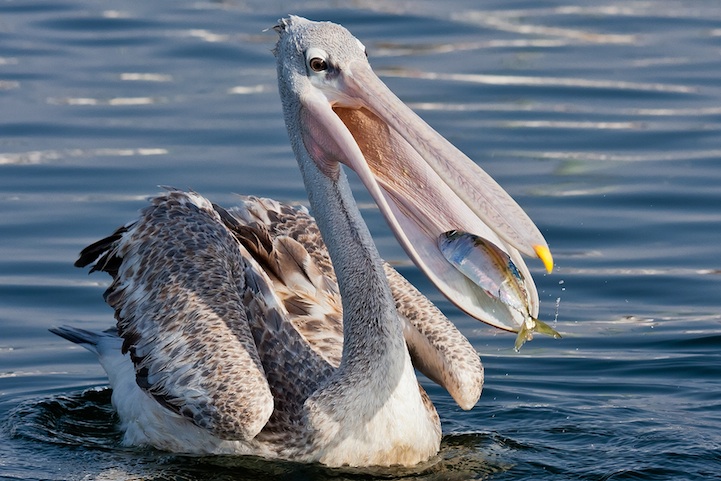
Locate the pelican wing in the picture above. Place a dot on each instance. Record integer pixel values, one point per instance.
(233, 317)
(287, 245)
(437, 347)
(286, 241)
(178, 294)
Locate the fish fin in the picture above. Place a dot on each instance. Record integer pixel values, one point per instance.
(525, 333)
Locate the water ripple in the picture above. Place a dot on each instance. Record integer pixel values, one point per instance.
(502, 22)
(51, 156)
(541, 81)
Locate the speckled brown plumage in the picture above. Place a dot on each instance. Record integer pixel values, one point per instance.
(438, 349)
(233, 317)
(178, 299)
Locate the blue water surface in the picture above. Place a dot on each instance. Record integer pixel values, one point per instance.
(602, 119)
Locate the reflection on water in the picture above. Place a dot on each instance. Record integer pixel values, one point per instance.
(603, 120)
(87, 420)
(540, 81)
(55, 156)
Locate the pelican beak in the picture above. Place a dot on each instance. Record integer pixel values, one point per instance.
(423, 185)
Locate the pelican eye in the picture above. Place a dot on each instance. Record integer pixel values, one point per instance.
(317, 64)
(316, 60)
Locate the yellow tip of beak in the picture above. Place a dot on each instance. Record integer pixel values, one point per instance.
(544, 254)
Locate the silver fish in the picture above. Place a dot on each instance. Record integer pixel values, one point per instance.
(490, 268)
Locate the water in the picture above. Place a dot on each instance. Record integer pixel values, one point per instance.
(602, 119)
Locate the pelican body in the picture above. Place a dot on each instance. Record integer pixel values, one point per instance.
(261, 330)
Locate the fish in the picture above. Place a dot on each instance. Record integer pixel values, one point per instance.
(490, 268)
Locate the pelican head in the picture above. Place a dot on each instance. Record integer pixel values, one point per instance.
(339, 112)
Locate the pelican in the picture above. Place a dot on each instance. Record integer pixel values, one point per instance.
(260, 330)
